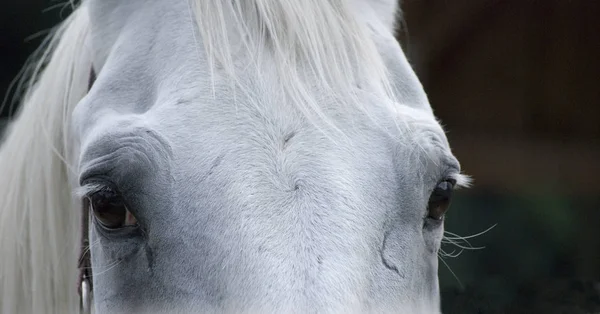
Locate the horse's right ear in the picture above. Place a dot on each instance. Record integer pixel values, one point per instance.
(388, 12)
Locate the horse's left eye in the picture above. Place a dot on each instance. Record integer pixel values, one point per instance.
(109, 208)
(439, 201)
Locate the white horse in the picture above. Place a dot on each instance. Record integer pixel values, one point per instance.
(234, 156)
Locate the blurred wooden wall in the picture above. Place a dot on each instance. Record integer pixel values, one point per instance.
(516, 84)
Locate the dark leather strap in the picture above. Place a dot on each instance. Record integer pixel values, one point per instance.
(85, 262)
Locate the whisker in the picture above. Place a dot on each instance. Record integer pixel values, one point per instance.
(89, 247)
(453, 239)
(453, 274)
(473, 235)
(109, 267)
(452, 254)
(457, 244)
(462, 242)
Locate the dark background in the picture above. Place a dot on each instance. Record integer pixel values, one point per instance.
(515, 83)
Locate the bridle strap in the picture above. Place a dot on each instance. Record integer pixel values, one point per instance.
(85, 284)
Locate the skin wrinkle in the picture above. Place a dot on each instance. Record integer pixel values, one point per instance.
(245, 204)
(383, 259)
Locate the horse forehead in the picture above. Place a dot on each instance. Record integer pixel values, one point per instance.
(196, 122)
(154, 42)
(155, 66)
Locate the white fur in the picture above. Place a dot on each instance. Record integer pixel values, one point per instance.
(296, 30)
(38, 217)
(39, 223)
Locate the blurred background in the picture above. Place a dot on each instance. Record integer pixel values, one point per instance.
(515, 82)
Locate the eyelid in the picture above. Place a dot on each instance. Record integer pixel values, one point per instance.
(87, 189)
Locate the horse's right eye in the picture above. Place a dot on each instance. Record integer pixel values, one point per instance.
(439, 200)
(110, 210)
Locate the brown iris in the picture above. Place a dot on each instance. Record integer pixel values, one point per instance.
(439, 201)
(110, 210)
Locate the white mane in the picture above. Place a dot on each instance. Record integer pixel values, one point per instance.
(39, 223)
(320, 41)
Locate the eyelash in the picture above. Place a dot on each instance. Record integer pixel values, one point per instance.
(86, 190)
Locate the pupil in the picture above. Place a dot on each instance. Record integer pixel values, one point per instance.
(105, 199)
(439, 200)
(108, 207)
